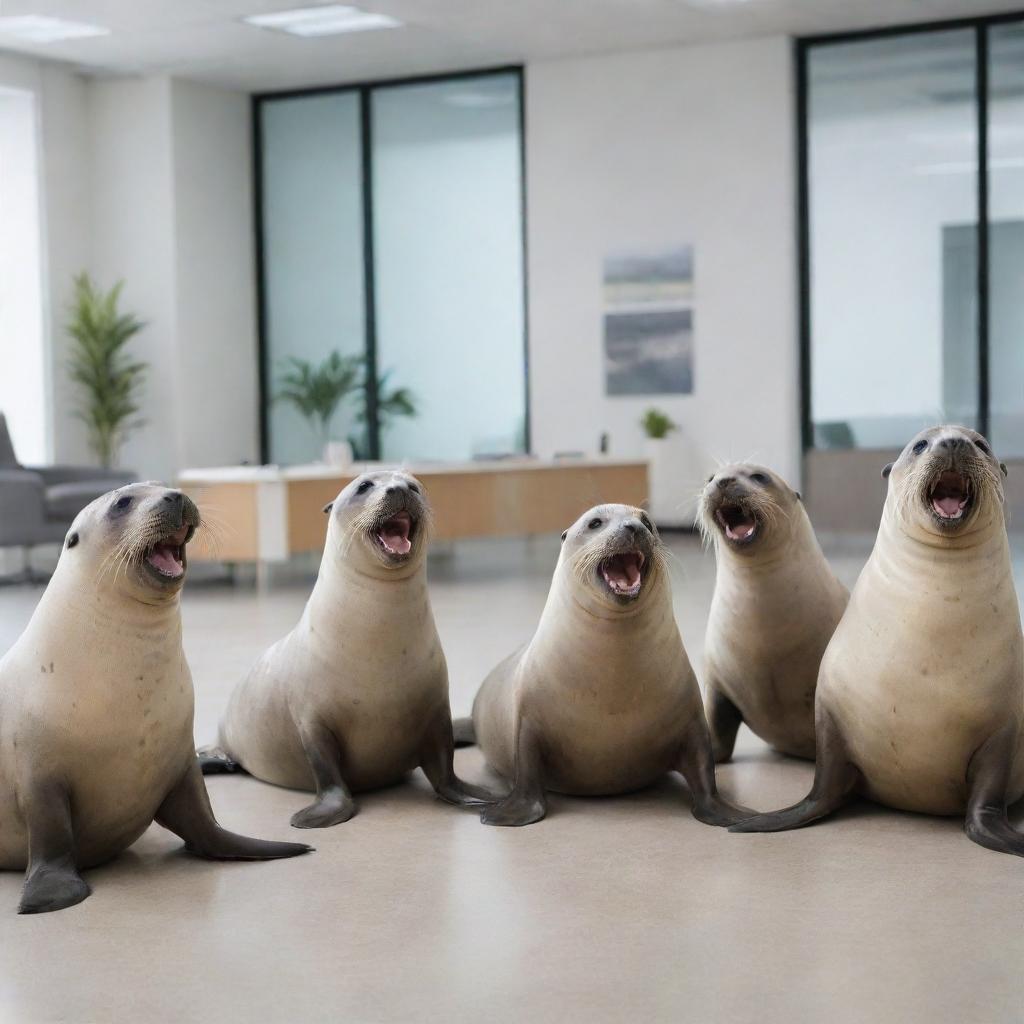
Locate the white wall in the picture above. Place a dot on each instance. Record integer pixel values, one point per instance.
(218, 391)
(647, 150)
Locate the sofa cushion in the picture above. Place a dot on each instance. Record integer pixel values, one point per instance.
(65, 501)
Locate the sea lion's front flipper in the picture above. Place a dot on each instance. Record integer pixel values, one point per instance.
(835, 778)
(527, 802)
(988, 777)
(333, 804)
(724, 720)
(697, 765)
(438, 764)
(52, 881)
(186, 811)
(217, 761)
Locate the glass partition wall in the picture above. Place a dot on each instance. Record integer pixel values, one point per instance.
(912, 204)
(391, 233)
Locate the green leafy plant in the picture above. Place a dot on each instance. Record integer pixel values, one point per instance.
(317, 389)
(101, 366)
(391, 402)
(657, 424)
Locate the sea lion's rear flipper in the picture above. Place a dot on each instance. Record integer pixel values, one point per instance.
(333, 804)
(988, 777)
(835, 778)
(187, 813)
(215, 761)
(52, 881)
(464, 731)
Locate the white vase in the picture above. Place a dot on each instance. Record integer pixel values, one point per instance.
(672, 480)
(338, 453)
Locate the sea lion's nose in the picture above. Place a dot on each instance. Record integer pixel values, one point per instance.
(724, 481)
(954, 443)
(632, 525)
(174, 499)
(397, 489)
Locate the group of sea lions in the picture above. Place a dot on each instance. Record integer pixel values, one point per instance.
(910, 691)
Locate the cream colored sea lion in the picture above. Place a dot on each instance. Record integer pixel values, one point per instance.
(96, 705)
(602, 700)
(775, 608)
(356, 695)
(920, 697)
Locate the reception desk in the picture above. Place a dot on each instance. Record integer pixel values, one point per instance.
(267, 514)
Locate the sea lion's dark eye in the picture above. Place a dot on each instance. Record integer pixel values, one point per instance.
(760, 478)
(594, 524)
(123, 503)
(647, 523)
(414, 489)
(72, 540)
(710, 478)
(983, 448)
(919, 447)
(364, 487)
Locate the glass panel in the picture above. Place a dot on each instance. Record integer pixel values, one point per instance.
(1006, 237)
(448, 265)
(313, 256)
(892, 149)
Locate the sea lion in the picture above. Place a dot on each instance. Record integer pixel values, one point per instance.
(96, 705)
(775, 608)
(920, 697)
(356, 695)
(603, 699)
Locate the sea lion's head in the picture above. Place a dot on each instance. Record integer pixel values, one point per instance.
(746, 508)
(134, 538)
(380, 523)
(614, 555)
(946, 485)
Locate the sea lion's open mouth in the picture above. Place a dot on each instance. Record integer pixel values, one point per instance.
(622, 573)
(395, 535)
(738, 524)
(167, 555)
(950, 496)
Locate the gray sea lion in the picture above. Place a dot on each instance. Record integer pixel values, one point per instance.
(356, 695)
(603, 699)
(775, 608)
(96, 705)
(920, 698)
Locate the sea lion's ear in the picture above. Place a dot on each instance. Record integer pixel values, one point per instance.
(565, 533)
(886, 470)
(1002, 466)
(72, 540)
(328, 507)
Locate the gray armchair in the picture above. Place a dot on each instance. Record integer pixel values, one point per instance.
(38, 504)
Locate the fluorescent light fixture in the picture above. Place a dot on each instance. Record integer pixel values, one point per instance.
(38, 28)
(328, 20)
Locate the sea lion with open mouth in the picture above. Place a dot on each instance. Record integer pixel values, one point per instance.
(356, 695)
(603, 699)
(96, 705)
(920, 699)
(775, 608)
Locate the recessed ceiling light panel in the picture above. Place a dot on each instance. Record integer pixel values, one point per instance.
(328, 20)
(38, 28)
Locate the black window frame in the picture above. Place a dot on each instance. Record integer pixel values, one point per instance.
(364, 91)
(804, 45)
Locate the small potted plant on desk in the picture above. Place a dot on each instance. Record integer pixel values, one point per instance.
(670, 481)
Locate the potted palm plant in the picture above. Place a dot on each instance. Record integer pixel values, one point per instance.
(392, 402)
(316, 390)
(100, 364)
(672, 483)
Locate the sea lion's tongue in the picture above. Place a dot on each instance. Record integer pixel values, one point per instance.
(165, 555)
(394, 534)
(622, 572)
(949, 495)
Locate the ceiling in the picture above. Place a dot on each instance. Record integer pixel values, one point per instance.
(205, 39)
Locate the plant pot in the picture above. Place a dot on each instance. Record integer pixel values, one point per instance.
(338, 453)
(673, 479)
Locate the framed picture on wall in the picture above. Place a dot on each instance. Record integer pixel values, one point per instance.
(648, 322)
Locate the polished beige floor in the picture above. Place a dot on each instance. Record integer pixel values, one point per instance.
(610, 910)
